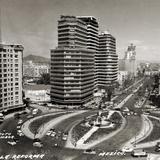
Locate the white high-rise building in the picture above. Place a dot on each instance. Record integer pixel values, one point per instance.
(10, 76)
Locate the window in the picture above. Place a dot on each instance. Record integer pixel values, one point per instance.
(16, 74)
(5, 90)
(4, 50)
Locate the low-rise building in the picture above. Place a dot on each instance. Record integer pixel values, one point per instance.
(37, 93)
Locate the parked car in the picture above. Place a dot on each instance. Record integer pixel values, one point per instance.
(64, 137)
(37, 143)
(13, 141)
(139, 153)
(1, 117)
(127, 149)
(89, 151)
(157, 147)
(20, 121)
(35, 111)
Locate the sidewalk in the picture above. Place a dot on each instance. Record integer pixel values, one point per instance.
(86, 136)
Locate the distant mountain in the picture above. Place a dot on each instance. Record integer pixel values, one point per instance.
(36, 59)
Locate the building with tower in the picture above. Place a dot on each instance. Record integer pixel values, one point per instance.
(130, 64)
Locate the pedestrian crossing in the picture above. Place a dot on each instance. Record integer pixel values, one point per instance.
(115, 153)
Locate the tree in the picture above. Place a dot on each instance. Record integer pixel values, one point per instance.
(109, 90)
(27, 102)
(44, 79)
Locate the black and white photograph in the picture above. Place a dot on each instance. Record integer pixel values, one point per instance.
(79, 80)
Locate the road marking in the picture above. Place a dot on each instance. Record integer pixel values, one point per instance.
(115, 153)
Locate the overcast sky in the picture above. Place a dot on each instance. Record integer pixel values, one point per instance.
(33, 23)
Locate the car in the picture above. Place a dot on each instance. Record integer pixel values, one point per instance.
(21, 134)
(18, 126)
(37, 143)
(30, 116)
(157, 149)
(139, 153)
(11, 143)
(147, 112)
(35, 111)
(158, 144)
(48, 133)
(127, 149)
(20, 121)
(64, 137)
(53, 134)
(89, 151)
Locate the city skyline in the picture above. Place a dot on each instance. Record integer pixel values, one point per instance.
(34, 23)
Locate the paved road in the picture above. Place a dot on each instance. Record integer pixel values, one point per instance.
(132, 127)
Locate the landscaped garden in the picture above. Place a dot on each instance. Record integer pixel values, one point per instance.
(107, 123)
(115, 123)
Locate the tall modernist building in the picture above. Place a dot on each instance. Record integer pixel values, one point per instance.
(130, 60)
(107, 60)
(92, 40)
(72, 64)
(10, 75)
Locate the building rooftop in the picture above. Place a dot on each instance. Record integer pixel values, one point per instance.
(36, 87)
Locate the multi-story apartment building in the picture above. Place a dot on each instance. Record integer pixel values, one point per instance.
(34, 70)
(10, 75)
(106, 60)
(72, 64)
